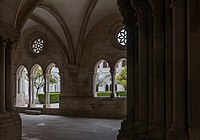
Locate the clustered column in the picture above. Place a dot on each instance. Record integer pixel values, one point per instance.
(140, 127)
(178, 130)
(165, 70)
(130, 24)
(2, 73)
(8, 76)
(6, 97)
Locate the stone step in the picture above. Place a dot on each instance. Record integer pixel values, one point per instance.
(33, 112)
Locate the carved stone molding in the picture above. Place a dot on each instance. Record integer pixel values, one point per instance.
(141, 8)
(127, 12)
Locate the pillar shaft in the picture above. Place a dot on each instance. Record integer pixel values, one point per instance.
(157, 129)
(32, 90)
(47, 89)
(113, 93)
(178, 130)
(130, 23)
(8, 78)
(2, 73)
(150, 69)
(29, 91)
(159, 83)
(179, 64)
(168, 63)
(143, 60)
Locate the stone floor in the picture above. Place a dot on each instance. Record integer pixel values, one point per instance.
(49, 127)
(53, 105)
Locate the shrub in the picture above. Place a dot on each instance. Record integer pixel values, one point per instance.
(121, 93)
(107, 93)
(103, 93)
(54, 97)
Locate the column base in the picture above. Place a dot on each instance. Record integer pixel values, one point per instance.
(10, 126)
(47, 105)
(32, 105)
(140, 130)
(4, 114)
(125, 133)
(177, 134)
(156, 132)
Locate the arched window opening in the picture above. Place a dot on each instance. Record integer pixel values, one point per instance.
(121, 77)
(53, 86)
(101, 79)
(36, 80)
(22, 82)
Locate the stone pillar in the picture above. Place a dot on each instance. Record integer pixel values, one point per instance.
(2, 72)
(29, 91)
(179, 14)
(8, 77)
(20, 84)
(32, 91)
(17, 88)
(140, 127)
(94, 84)
(113, 74)
(45, 92)
(157, 130)
(130, 22)
(168, 63)
(150, 67)
(47, 96)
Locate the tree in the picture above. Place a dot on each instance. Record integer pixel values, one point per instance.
(38, 80)
(122, 78)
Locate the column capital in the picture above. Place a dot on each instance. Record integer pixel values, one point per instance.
(32, 77)
(177, 2)
(112, 72)
(127, 12)
(141, 8)
(3, 42)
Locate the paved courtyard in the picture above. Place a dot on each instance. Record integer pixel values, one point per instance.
(51, 127)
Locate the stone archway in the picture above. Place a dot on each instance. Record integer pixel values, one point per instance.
(120, 84)
(52, 86)
(101, 76)
(22, 96)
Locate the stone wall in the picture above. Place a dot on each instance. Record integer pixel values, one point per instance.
(77, 96)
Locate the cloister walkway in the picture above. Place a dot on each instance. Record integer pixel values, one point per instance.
(52, 127)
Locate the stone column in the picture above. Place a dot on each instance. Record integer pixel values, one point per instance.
(32, 91)
(130, 23)
(168, 63)
(20, 84)
(140, 127)
(150, 67)
(179, 14)
(17, 88)
(157, 130)
(8, 76)
(47, 90)
(94, 84)
(2, 73)
(29, 91)
(113, 93)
